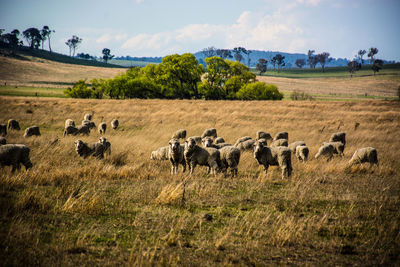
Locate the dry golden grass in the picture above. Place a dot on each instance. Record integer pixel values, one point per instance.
(129, 210)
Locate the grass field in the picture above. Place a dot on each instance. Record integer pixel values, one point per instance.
(128, 210)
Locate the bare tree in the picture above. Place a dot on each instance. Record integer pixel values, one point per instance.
(300, 62)
(372, 52)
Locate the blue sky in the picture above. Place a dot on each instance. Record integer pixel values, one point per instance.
(159, 28)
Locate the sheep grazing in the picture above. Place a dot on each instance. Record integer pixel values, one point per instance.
(338, 148)
(69, 122)
(179, 134)
(207, 142)
(294, 145)
(196, 155)
(31, 131)
(82, 129)
(246, 145)
(274, 156)
(102, 128)
(3, 141)
(242, 139)
(160, 154)
(338, 137)
(210, 132)
(106, 144)
(13, 155)
(13, 125)
(366, 154)
(263, 135)
(219, 140)
(281, 135)
(302, 153)
(87, 117)
(3, 129)
(279, 142)
(230, 157)
(197, 138)
(89, 149)
(176, 155)
(70, 130)
(263, 141)
(114, 124)
(90, 124)
(326, 150)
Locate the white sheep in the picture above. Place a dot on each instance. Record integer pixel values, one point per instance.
(279, 142)
(176, 155)
(160, 154)
(179, 134)
(106, 144)
(102, 128)
(114, 124)
(196, 155)
(338, 137)
(263, 135)
(89, 149)
(230, 157)
(13, 125)
(282, 135)
(246, 145)
(366, 154)
(13, 155)
(325, 150)
(242, 139)
(210, 132)
(69, 122)
(338, 148)
(302, 153)
(33, 130)
(292, 146)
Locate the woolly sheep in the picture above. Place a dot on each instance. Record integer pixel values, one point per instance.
(82, 129)
(338, 148)
(114, 124)
(102, 128)
(219, 140)
(197, 138)
(279, 142)
(106, 144)
(281, 135)
(87, 117)
(246, 145)
(90, 124)
(160, 154)
(338, 137)
(13, 155)
(293, 145)
(210, 132)
(242, 139)
(13, 125)
(274, 156)
(263, 141)
(366, 154)
(3, 129)
(230, 157)
(196, 155)
(176, 155)
(179, 134)
(86, 149)
(3, 141)
(208, 142)
(33, 130)
(263, 135)
(325, 150)
(69, 122)
(302, 153)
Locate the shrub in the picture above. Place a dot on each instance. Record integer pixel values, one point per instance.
(298, 95)
(259, 91)
(79, 90)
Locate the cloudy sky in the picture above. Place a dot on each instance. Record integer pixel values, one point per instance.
(162, 27)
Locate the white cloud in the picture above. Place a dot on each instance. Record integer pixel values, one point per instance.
(104, 38)
(309, 2)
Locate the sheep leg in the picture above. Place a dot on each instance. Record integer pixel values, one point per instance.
(266, 168)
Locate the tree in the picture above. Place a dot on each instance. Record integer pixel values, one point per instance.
(377, 65)
(279, 59)
(372, 52)
(45, 33)
(300, 62)
(73, 43)
(238, 53)
(311, 58)
(107, 54)
(259, 91)
(273, 62)
(11, 39)
(79, 90)
(209, 51)
(360, 55)
(322, 58)
(261, 65)
(224, 53)
(33, 37)
(353, 66)
(247, 53)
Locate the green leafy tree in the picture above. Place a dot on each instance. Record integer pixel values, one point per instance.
(273, 62)
(280, 60)
(11, 40)
(322, 59)
(224, 53)
(73, 44)
(360, 55)
(107, 54)
(217, 74)
(377, 65)
(353, 66)
(80, 89)
(371, 53)
(45, 32)
(311, 58)
(237, 51)
(300, 62)
(262, 65)
(259, 91)
(33, 37)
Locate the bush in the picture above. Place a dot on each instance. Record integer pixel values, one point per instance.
(259, 91)
(79, 90)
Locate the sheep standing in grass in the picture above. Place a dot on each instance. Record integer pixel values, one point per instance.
(90, 124)
(196, 155)
(13, 125)
(338, 148)
(82, 129)
(208, 142)
(106, 144)
(246, 145)
(69, 122)
(230, 157)
(210, 132)
(13, 155)
(3, 129)
(294, 145)
(263, 135)
(274, 156)
(197, 138)
(102, 128)
(176, 155)
(366, 154)
(114, 124)
(326, 150)
(89, 149)
(219, 140)
(160, 154)
(263, 141)
(31, 131)
(87, 117)
(242, 139)
(179, 134)
(302, 153)
(338, 137)
(3, 141)
(279, 142)
(282, 135)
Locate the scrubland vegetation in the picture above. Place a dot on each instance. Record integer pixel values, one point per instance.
(129, 210)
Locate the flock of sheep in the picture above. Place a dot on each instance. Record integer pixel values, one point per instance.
(206, 150)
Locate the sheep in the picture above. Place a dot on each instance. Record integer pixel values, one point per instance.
(3, 141)
(197, 138)
(82, 129)
(106, 144)
(338, 137)
(302, 153)
(221, 145)
(160, 154)
(33, 130)
(102, 128)
(208, 142)
(114, 124)
(13, 155)
(179, 134)
(230, 157)
(263, 141)
(69, 122)
(274, 156)
(242, 139)
(13, 125)
(210, 132)
(3, 129)
(196, 155)
(90, 124)
(87, 117)
(279, 142)
(366, 154)
(219, 140)
(263, 135)
(246, 145)
(176, 155)
(338, 147)
(281, 135)
(86, 149)
(326, 150)
(294, 145)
